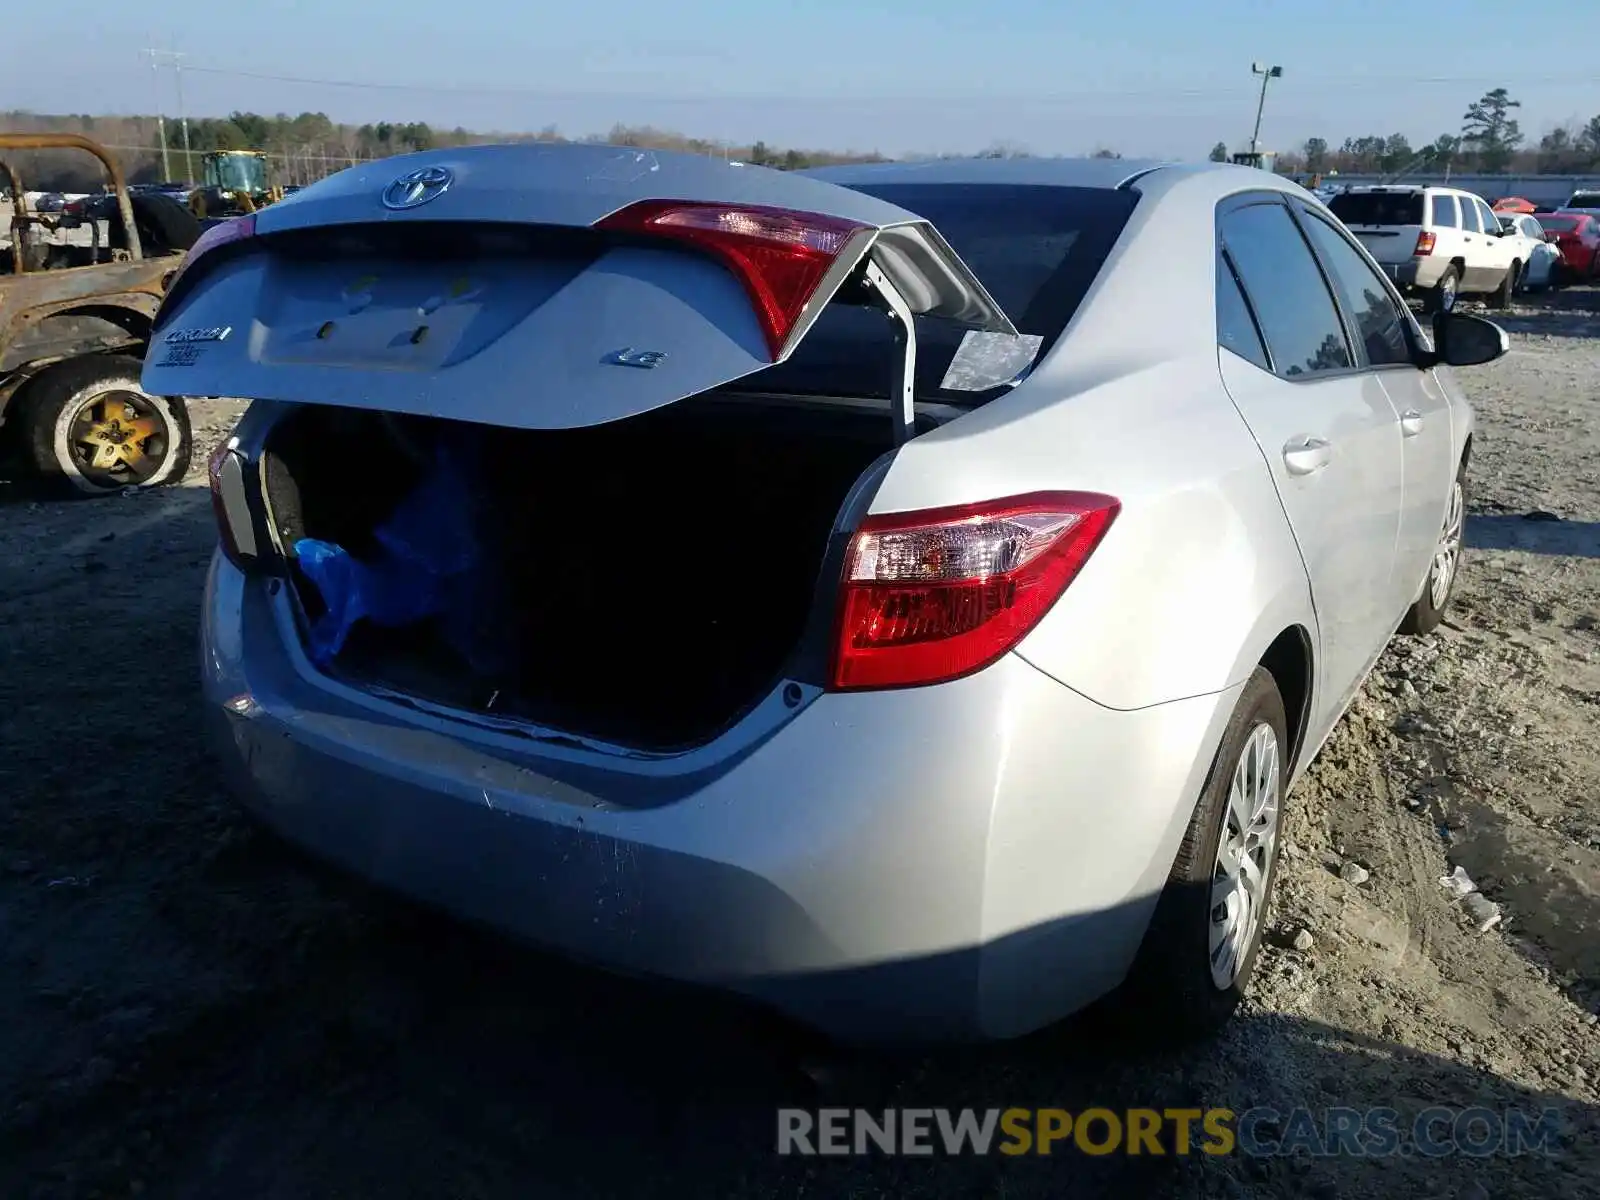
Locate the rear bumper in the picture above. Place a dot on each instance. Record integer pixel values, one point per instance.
(973, 860)
(1420, 273)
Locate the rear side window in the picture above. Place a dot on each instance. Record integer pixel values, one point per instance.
(1378, 322)
(1486, 216)
(1559, 224)
(1236, 328)
(1378, 208)
(1470, 221)
(1442, 211)
(1286, 290)
(1036, 249)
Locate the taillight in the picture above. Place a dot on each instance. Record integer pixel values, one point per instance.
(235, 229)
(779, 255)
(931, 596)
(1424, 244)
(225, 468)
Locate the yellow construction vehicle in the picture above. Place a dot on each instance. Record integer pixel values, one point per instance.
(233, 182)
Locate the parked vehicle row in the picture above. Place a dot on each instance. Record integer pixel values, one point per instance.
(1576, 236)
(1441, 243)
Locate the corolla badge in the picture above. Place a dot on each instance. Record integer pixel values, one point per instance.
(209, 333)
(418, 187)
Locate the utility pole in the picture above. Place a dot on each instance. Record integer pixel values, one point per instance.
(1267, 74)
(176, 59)
(161, 121)
(183, 116)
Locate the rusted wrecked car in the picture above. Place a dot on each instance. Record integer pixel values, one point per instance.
(75, 314)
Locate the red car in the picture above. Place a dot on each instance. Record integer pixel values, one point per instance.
(1577, 236)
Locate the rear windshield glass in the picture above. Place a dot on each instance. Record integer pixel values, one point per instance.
(1558, 224)
(1378, 208)
(1036, 248)
(1584, 200)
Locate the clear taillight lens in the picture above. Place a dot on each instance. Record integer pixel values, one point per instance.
(935, 595)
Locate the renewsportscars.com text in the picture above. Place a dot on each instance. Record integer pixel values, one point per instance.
(1255, 1132)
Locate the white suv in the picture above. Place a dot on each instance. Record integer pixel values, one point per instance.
(1439, 241)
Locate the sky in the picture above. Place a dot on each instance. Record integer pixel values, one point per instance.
(1168, 78)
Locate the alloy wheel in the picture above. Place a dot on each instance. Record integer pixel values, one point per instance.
(1244, 855)
(1448, 554)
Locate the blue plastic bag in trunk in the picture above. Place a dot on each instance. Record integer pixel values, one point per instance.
(429, 563)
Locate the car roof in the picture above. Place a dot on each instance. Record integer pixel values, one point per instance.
(1048, 172)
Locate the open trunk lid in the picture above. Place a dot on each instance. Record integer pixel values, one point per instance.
(539, 287)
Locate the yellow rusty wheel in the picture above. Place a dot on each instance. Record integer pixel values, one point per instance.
(118, 439)
(87, 426)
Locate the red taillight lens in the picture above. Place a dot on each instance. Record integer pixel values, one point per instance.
(1424, 244)
(931, 596)
(779, 255)
(225, 469)
(227, 232)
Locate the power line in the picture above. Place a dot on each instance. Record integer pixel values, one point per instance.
(1219, 91)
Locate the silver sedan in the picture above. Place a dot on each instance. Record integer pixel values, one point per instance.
(905, 595)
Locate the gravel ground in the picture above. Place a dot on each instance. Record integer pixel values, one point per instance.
(188, 1009)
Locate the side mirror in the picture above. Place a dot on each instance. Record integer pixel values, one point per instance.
(1463, 340)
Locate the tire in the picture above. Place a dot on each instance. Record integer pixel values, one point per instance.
(1428, 609)
(59, 406)
(165, 226)
(1501, 296)
(1176, 989)
(1442, 296)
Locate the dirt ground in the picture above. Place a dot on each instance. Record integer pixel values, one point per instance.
(189, 1009)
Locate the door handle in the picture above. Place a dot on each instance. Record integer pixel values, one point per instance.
(1305, 455)
(1411, 422)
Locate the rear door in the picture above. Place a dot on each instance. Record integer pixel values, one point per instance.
(1387, 222)
(1500, 251)
(1482, 272)
(1444, 221)
(535, 286)
(1383, 336)
(1325, 427)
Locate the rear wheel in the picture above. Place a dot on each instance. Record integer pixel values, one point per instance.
(1200, 949)
(89, 427)
(1442, 296)
(1427, 610)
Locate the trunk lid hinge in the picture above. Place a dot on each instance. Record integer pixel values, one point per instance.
(903, 388)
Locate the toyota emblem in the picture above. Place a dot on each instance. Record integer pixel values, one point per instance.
(417, 187)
